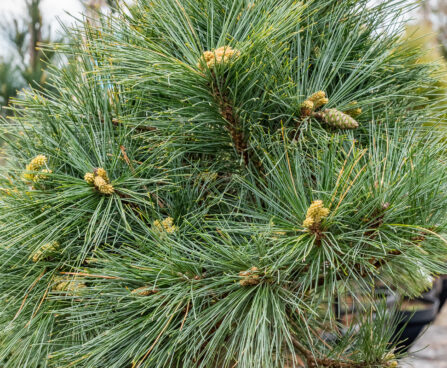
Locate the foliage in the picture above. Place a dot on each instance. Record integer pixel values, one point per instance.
(174, 202)
(8, 80)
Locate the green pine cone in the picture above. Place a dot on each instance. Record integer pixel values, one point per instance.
(338, 119)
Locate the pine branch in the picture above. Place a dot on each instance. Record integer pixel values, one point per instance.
(234, 127)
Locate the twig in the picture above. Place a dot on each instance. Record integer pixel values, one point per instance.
(27, 294)
(314, 362)
(186, 315)
(90, 275)
(126, 158)
(38, 307)
(234, 126)
(159, 335)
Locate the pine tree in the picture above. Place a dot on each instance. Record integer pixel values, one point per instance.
(209, 178)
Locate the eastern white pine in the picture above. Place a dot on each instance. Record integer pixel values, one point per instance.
(188, 193)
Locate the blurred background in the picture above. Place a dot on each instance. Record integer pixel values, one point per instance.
(25, 24)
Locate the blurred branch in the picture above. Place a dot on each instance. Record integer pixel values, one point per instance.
(35, 31)
(27, 65)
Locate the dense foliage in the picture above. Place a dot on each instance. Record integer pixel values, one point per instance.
(209, 177)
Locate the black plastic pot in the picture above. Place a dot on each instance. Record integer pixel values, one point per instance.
(390, 296)
(381, 293)
(414, 322)
(435, 290)
(443, 293)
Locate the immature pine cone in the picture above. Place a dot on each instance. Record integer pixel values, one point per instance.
(337, 119)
